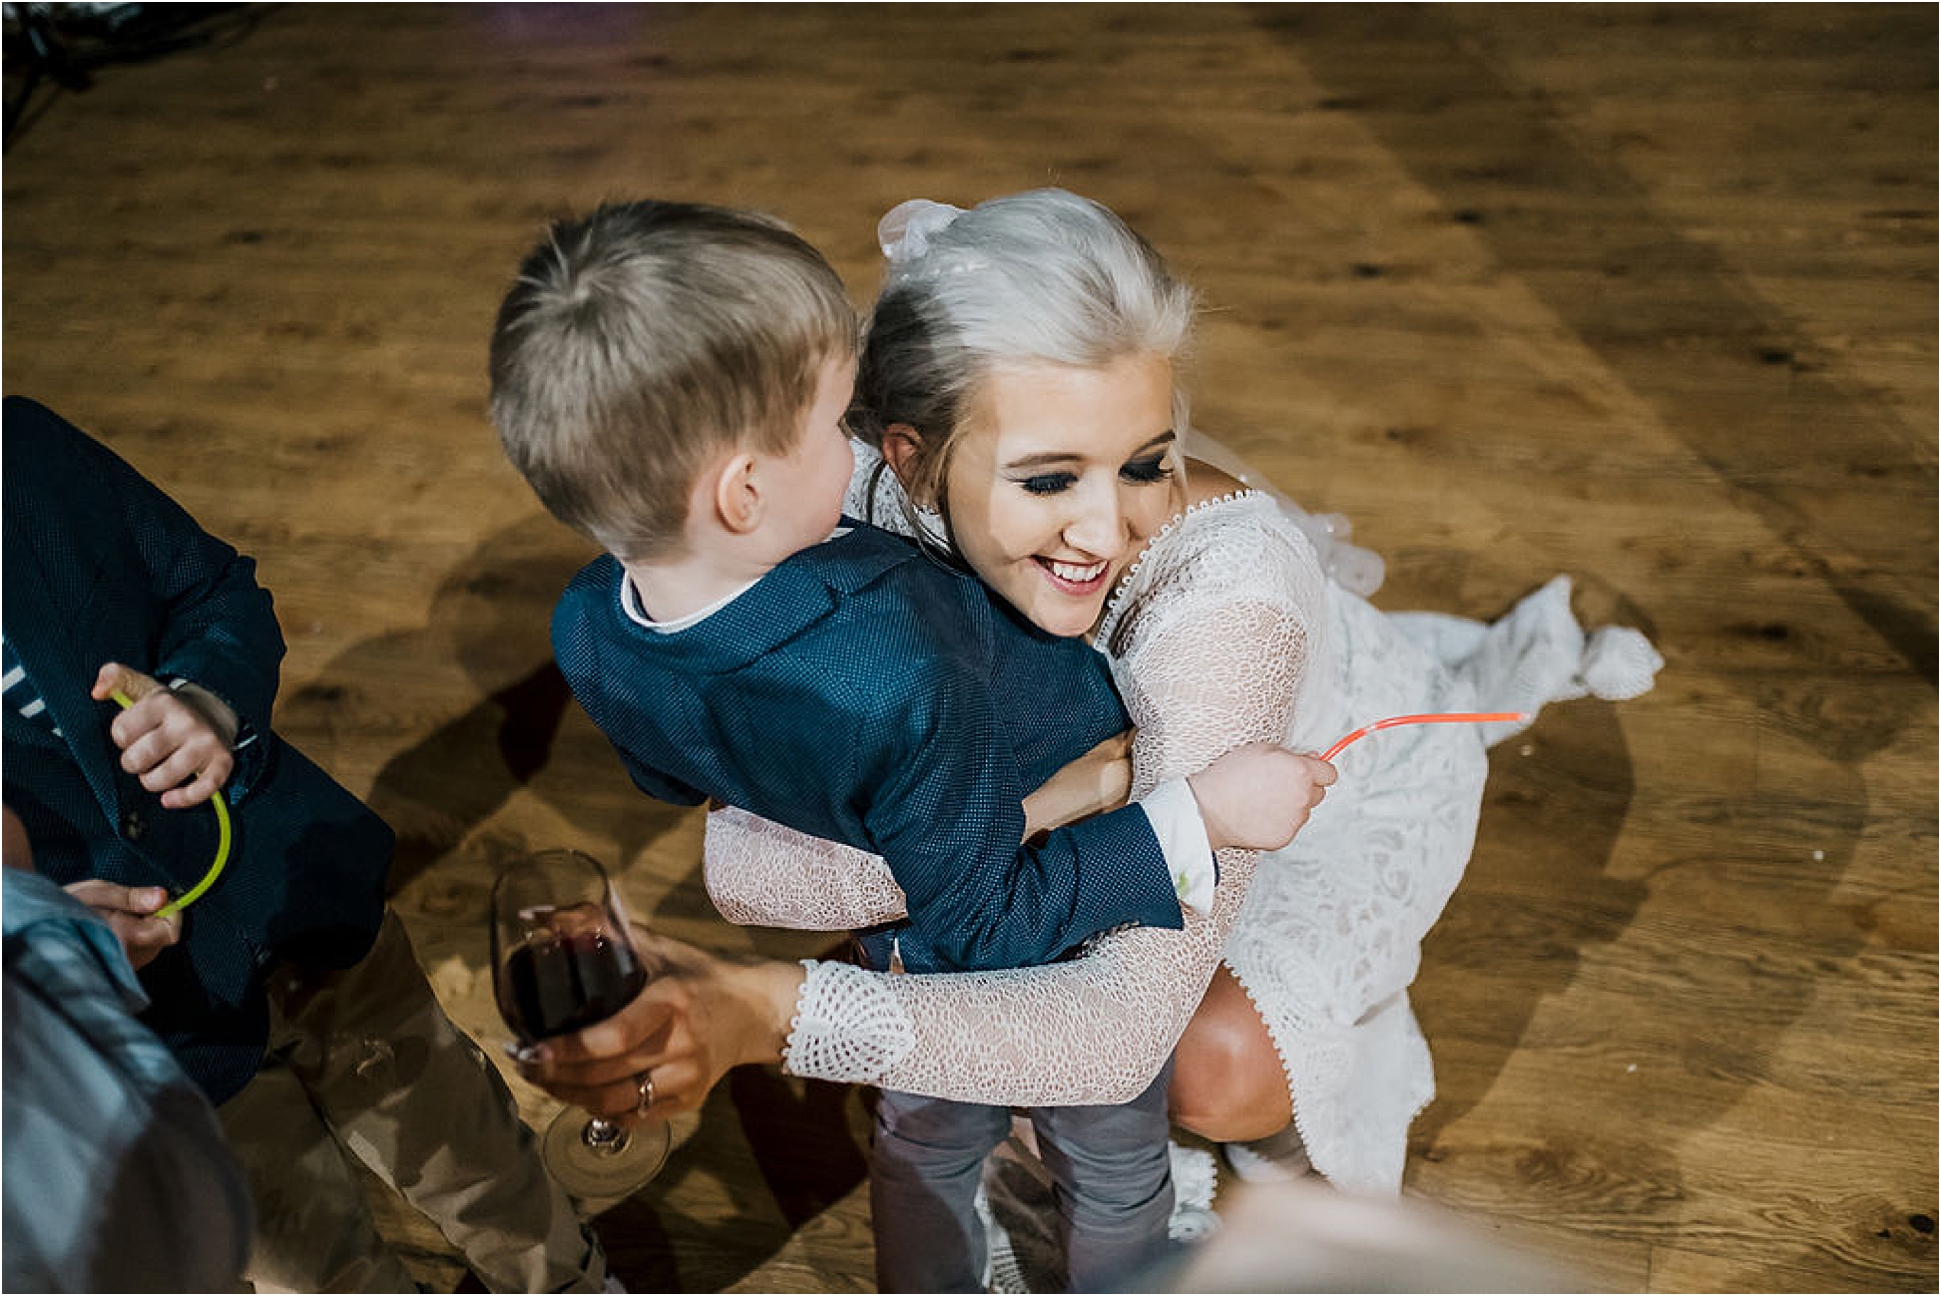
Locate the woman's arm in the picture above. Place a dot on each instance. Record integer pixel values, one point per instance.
(1096, 782)
(761, 874)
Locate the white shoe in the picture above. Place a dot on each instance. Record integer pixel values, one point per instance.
(1195, 1177)
(1278, 1158)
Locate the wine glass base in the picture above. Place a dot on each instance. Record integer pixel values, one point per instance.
(602, 1172)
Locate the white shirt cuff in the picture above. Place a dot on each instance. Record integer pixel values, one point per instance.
(1175, 816)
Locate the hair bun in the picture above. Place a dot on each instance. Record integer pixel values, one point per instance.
(907, 228)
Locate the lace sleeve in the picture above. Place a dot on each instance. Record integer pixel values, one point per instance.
(761, 874)
(1206, 662)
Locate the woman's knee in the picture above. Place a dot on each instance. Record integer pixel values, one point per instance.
(1228, 1082)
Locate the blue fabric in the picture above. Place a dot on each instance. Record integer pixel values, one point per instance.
(100, 565)
(862, 693)
(117, 1176)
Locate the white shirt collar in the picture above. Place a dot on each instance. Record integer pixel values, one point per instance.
(630, 602)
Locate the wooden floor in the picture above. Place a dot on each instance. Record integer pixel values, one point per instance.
(1646, 295)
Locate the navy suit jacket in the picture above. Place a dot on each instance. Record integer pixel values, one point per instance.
(101, 566)
(862, 693)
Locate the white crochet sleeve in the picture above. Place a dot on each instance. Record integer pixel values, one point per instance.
(1211, 636)
(761, 874)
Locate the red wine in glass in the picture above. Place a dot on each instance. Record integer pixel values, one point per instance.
(555, 986)
(562, 961)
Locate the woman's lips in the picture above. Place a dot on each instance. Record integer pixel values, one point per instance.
(1075, 578)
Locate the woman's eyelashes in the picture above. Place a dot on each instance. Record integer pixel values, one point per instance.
(1140, 472)
(1048, 483)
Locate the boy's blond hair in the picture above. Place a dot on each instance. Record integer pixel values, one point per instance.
(640, 342)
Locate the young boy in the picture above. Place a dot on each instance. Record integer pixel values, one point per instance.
(671, 380)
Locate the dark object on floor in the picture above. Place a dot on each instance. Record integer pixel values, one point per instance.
(66, 43)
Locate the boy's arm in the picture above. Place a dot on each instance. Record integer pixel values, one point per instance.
(219, 630)
(946, 814)
(661, 787)
(182, 743)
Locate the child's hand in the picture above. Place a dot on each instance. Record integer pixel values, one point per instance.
(167, 739)
(1258, 796)
(130, 913)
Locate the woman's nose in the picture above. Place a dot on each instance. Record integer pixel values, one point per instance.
(1099, 525)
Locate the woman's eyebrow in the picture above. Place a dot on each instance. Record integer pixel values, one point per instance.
(1045, 459)
(1050, 457)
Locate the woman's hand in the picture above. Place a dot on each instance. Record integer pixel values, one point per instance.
(168, 738)
(1098, 781)
(700, 1015)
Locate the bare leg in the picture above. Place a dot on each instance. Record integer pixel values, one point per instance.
(1228, 1082)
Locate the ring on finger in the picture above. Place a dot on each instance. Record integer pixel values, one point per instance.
(644, 1087)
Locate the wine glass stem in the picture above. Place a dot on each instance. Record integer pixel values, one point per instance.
(604, 1137)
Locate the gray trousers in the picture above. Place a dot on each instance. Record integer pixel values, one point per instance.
(1111, 1178)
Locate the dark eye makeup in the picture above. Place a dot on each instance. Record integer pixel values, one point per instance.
(1140, 472)
(1048, 483)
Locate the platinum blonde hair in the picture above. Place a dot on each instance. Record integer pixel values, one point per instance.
(1042, 277)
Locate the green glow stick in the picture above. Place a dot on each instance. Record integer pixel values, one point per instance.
(194, 893)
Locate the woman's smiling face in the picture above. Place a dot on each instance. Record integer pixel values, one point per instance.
(1059, 480)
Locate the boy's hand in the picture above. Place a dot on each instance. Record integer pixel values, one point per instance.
(167, 738)
(130, 913)
(1257, 797)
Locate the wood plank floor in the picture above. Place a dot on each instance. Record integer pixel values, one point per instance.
(1642, 294)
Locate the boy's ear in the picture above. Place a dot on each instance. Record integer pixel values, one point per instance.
(736, 496)
(900, 446)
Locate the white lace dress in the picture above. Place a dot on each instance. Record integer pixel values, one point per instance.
(1226, 631)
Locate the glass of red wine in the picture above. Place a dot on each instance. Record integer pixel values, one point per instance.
(562, 961)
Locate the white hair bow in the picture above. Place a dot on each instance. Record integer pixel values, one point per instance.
(908, 227)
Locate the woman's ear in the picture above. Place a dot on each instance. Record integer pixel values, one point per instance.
(900, 446)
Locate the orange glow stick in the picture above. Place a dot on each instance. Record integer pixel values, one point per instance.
(1445, 717)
